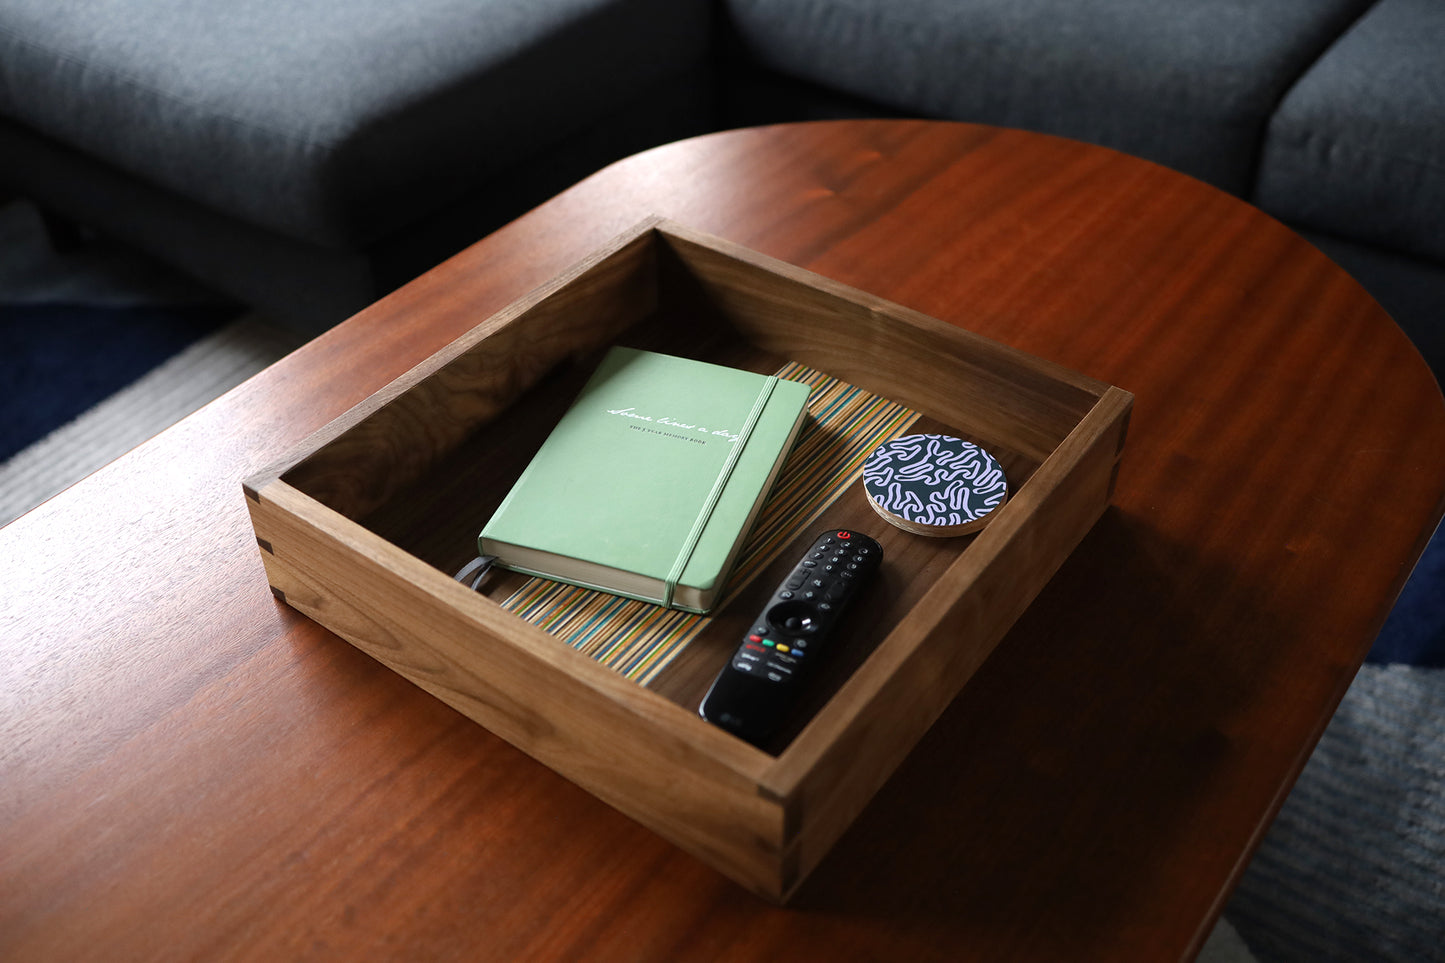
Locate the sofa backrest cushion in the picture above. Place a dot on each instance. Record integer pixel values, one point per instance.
(1357, 147)
(330, 121)
(1188, 84)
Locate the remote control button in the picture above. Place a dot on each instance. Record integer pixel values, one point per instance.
(805, 607)
(793, 617)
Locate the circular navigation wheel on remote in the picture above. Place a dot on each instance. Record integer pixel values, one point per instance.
(794, 617)
(935, 485)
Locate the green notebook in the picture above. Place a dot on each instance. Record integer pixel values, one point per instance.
(651, 479)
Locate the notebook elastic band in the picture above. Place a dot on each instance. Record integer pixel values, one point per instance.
(684, 555)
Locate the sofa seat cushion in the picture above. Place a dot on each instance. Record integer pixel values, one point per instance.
(330, 121)
(1357, 148)
(1190, 85)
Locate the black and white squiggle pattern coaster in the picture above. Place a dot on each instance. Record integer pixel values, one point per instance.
(934, 484)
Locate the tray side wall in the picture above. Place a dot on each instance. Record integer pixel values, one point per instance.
(641, 754)
(389, 441)
(1007, 396)
(856, 742)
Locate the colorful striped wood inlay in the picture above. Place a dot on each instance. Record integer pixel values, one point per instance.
(639, 639)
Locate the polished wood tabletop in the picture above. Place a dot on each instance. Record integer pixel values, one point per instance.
(191, 770)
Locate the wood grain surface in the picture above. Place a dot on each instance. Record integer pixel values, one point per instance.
(189, 769)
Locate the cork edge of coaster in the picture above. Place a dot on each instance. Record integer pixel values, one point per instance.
(934, 531)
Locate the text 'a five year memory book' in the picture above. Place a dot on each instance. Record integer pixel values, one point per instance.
(650, 481)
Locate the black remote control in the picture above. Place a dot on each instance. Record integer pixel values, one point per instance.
(751, 695)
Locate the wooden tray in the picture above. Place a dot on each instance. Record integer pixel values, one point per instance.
(362, 528)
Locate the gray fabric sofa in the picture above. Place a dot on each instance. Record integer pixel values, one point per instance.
(307, 156)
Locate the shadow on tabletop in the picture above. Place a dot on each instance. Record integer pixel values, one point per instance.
(1099, 809)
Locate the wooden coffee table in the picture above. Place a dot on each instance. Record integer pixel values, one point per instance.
(190, 769)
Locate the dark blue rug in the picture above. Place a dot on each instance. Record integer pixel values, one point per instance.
(1414, 634)
(57, 360)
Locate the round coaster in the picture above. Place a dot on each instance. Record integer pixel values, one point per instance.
(934, 484)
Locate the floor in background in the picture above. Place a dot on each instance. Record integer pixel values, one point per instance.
(1354, 866)
(59, 360)
(101, 349)
(179, 385)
